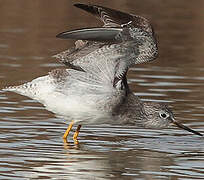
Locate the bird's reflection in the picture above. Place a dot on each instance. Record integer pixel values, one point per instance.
(117, 163)
(71, 145)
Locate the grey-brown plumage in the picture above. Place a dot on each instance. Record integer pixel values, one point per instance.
(123, 36)
(94, 88)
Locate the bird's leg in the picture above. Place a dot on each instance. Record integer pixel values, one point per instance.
(67, 131)
(76, 134)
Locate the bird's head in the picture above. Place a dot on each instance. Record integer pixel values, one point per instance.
(159, 115)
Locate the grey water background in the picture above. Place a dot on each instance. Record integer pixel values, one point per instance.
(31, 145)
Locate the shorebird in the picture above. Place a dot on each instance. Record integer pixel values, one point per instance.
(93, 88)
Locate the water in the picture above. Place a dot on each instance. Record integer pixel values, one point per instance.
(31, 137)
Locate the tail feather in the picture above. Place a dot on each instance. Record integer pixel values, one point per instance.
(31, 89)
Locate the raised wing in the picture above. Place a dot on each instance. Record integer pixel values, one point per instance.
(124, 37)
(101, 34)
(115, 18)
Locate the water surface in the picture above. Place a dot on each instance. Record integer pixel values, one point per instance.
(30, 137)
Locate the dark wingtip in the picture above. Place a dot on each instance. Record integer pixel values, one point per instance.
(81, 6)
(90, 8)
(60, 35)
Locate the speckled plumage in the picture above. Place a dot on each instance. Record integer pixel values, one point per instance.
(94, 88)
(124, 37)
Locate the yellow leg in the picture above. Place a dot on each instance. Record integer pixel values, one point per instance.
(67, 131)
(76, 134)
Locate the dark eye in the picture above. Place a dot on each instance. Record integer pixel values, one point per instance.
(163, 115)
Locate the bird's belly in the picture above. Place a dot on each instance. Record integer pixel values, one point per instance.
(79, 109)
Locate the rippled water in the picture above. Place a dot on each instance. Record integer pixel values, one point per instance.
(31, 137)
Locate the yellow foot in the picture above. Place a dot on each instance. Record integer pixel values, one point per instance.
(76, 142)
(65, 141)
(67, 131)
(76, 134)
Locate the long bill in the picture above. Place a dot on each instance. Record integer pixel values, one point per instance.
(186, 128)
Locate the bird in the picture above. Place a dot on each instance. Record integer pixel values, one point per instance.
(93, 88)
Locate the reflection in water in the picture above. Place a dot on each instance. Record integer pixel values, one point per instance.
(103, 152)
(31, 147)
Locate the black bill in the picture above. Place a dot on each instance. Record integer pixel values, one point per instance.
(186, 128)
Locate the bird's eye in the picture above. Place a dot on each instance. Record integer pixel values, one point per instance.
(163, 115)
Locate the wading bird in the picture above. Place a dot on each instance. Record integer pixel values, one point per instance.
(93, 88)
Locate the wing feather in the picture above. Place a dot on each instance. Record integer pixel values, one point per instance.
(125, 38)
(109, 17)
(101, 34)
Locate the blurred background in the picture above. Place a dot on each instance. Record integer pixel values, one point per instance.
(30, 137)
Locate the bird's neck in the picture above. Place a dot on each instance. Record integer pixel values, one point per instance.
(129, 110)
